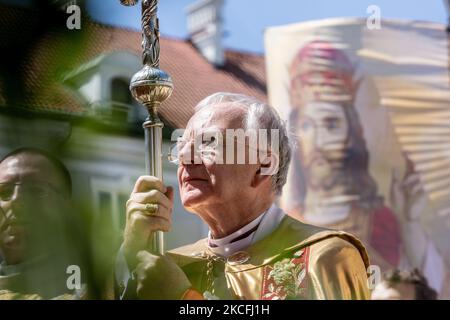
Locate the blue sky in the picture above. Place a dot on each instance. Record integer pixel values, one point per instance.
(245, 20)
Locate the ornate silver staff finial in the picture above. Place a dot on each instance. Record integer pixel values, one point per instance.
(151, 86)
(128, 2)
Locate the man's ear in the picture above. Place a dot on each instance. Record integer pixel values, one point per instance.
(265, 170)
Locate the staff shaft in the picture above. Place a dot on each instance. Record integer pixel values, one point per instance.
(151, 86)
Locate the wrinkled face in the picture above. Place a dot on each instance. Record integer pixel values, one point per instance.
(323, 135)
(29, 201)
(400, 291)
(211, 183)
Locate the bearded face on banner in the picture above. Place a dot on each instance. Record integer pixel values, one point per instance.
(336, 87)
(330, 164)
(332, 156)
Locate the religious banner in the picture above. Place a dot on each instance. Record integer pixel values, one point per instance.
(368, 112)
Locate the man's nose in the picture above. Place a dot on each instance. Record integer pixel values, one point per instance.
(188, 154)
(318, 138)
(13, 205)
(9, 211)
(11, 215)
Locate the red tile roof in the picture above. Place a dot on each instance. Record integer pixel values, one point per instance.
(193, 77)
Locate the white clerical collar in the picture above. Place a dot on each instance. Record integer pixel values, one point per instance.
(269, 223)
(260, 227)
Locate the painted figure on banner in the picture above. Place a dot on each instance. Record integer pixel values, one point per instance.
(330, 169)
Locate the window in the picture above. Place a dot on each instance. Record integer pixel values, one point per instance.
(121, 99)
(105, 208)
(109, 197)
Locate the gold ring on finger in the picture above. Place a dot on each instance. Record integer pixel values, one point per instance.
(151, 208)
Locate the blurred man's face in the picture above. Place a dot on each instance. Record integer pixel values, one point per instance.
(210, 183)
(29, 202)
(323, 135)
(399, 291)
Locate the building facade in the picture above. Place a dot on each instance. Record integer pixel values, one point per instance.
(67, 92)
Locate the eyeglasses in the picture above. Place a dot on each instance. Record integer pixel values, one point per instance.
(29, 190)
(206, 150)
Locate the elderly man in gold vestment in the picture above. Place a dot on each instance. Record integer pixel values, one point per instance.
(253, 250)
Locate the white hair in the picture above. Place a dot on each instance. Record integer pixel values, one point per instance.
(259, 116)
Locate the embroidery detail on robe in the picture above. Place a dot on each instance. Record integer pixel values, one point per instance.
(286, 279)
